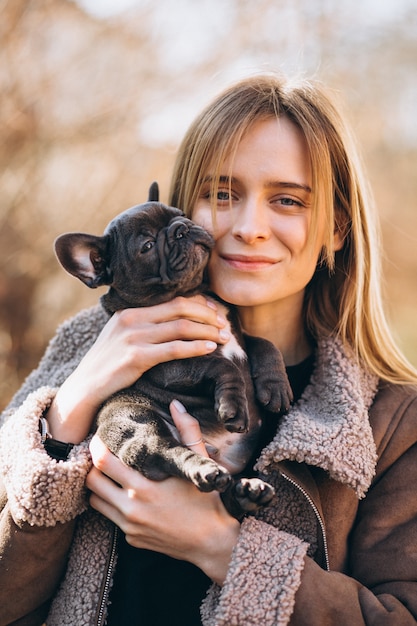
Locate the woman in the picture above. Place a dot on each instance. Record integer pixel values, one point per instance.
(268, 167)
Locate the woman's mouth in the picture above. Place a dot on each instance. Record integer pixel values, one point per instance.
(248, 263)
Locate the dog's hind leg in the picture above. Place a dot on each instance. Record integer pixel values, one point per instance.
(128, 425)
(247, 495)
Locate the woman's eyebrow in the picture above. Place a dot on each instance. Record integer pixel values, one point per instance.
(220, 179)
(288, 185)
(273, 184)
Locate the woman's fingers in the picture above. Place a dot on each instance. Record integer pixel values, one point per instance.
(135, 340)
(188, 428)
(170, 516)
(181, 316)
(197, 309)
(108, 464)
(113, 484)
(189, 319)
(182, 328)
(140, 507)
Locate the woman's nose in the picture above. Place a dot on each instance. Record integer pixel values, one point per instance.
(251, 221)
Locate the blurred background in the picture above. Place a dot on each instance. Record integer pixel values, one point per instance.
(96, 94)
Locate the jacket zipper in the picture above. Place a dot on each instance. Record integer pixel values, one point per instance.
(112, 557)
(317, 514)
(109, 574)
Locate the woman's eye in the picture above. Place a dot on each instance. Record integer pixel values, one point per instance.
(223, 196)
(148, 245)
(289, 201)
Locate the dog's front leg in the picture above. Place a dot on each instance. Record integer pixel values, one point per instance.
(272, 387)
(213, 376)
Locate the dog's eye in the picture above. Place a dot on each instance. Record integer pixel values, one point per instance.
(148, 245)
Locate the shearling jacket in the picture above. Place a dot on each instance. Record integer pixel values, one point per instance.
(337, 546)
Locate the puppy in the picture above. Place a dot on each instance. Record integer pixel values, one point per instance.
(149, 254)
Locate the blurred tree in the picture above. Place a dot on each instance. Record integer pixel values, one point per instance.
(91, 110)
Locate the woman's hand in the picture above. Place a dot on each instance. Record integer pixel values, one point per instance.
(133, 341)
(170, 516)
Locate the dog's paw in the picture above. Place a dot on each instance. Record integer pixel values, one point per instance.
(274, 393)
(210, 477)
(272, 387)
(252, 493)
(232, 411)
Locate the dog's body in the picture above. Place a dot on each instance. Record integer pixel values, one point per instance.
(148, 255)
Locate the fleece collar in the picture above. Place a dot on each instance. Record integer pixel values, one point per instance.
(329, 426)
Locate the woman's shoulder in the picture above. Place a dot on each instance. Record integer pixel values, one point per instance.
(393, 418)
(86, 320)
(71, 341)
(394, 398)
(84, 325)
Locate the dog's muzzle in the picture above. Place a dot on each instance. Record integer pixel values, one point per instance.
(180, 245)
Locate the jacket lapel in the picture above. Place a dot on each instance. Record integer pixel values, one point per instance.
(329, 426)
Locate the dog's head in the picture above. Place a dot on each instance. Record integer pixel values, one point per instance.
(147, 255)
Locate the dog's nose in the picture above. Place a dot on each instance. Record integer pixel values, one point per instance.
(180, 231)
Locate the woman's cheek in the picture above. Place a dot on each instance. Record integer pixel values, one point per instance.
(202, 216)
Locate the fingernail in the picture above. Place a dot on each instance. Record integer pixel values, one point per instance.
(224, 334)
(211, 304)
(179, 406)
(211, 345)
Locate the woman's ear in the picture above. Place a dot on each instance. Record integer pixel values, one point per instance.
(338, 240)
(341, 228)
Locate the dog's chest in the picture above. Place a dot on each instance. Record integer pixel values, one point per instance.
(232, 349)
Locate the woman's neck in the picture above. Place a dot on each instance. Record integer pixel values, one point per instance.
(284, 329)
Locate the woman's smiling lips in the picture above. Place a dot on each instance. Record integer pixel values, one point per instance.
(247, 263)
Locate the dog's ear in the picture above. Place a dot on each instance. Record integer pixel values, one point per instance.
(85, 257)
(153, 195)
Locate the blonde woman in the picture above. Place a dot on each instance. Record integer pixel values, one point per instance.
(269, 168)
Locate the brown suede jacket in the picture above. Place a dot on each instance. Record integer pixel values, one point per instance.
(337, 547)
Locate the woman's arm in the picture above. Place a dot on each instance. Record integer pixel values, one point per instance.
(133, 341)
(32, 562)
(89, 358)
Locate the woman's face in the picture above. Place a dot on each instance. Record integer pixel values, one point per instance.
(262, 254)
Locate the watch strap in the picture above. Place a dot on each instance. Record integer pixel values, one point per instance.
(58, 450)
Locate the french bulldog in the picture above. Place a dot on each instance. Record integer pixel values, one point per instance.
(150, 254)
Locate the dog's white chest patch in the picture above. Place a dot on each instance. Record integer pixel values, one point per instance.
(231, 350)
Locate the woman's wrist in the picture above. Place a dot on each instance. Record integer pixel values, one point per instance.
(71, 415)
(218, 550)
(58, 450)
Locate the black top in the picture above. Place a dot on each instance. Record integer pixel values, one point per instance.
(152, 589)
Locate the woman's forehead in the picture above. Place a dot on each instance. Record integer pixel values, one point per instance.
(274, 150)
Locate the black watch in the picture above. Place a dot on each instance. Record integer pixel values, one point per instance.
(58, 450)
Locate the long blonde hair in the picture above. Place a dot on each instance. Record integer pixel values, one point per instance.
(343, 298)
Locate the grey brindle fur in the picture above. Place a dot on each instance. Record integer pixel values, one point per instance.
(149, 254)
